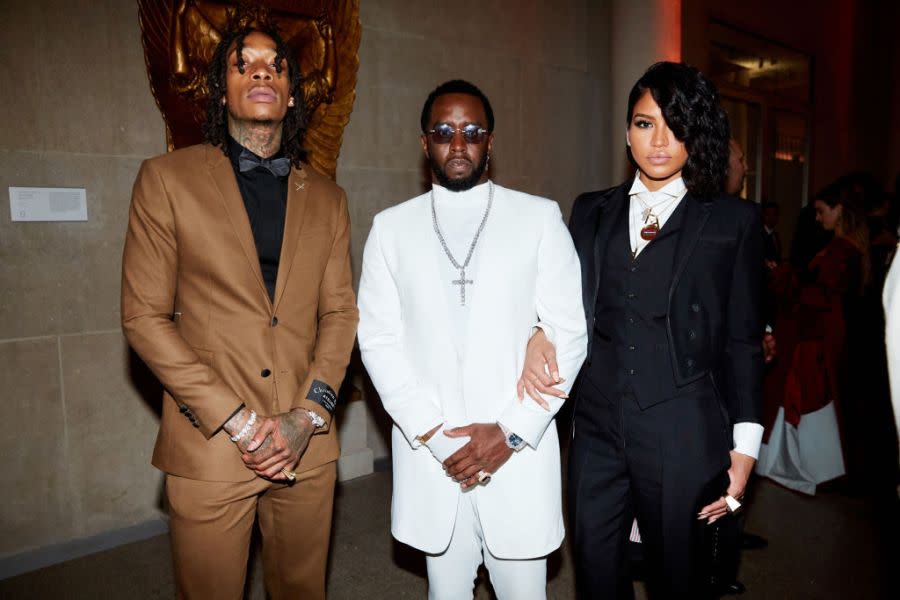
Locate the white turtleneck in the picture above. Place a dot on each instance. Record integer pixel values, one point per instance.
(458, 215)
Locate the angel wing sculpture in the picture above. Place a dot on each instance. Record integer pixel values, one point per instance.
(180, 36)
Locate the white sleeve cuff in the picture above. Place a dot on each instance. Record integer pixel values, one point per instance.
(747, 438)
(506, 432)
(442, 446)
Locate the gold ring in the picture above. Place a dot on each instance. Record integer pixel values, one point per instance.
(289, 474)
(484, 477)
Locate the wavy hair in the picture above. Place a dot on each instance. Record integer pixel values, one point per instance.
(293, 128)
(690, 106)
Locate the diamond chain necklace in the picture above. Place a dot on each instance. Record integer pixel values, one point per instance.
(462, 281)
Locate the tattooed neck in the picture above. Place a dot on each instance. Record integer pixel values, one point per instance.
(263, 138)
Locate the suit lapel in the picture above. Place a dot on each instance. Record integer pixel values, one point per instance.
(222, 174)
(607, 217)
(695, 216)
(293, 224)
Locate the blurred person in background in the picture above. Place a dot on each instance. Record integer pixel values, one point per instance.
(806, 391)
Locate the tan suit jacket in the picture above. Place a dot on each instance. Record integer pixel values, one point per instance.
(196, 310)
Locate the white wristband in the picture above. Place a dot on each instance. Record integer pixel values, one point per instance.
(246, 428)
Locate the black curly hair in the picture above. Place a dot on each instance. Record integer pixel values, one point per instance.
(690, 106)
(215, 129)
(456, 86)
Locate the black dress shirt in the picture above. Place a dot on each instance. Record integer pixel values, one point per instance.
(265, 198)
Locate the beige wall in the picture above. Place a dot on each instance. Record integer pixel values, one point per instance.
(78, 412)
(76, 436)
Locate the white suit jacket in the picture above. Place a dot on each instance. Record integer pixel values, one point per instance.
(891, 299)
(527, 270)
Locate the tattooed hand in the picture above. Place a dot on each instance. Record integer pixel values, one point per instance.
(277, 443)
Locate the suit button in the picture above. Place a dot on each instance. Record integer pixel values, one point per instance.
(691, 334)
(632, 295)
(274, 321)
(183, 409)
(695, 307)
(631, 348)
(631, 320)
(266, 372)
(196, 424)
(631, 371)
(690, 363)
(632, 269)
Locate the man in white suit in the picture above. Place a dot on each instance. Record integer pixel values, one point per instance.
(448, 299)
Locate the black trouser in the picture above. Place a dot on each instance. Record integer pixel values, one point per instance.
(657, 465)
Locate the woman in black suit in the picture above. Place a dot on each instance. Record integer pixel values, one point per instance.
(667, 409)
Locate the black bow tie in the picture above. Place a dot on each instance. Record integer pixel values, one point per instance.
(279, 167)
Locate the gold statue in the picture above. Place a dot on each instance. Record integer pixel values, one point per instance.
(180, 37)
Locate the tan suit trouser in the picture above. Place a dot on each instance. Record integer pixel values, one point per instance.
(211, 523)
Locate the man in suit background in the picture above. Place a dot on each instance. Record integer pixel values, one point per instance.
(237, 293)
(772, 242)
(667, 410)
(452, 283)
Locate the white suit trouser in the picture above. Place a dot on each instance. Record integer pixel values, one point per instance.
(451, 574)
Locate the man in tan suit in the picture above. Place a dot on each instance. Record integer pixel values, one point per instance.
(237, 293)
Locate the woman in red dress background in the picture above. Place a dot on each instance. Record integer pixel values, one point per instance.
(806, 388)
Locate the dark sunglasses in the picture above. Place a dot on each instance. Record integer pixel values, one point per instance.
(472, 134)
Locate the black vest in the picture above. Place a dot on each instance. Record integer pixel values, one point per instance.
(631, 347)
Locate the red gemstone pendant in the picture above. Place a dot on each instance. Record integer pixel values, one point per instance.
(648, 232)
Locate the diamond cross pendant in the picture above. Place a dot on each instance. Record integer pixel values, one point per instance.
(462, 282)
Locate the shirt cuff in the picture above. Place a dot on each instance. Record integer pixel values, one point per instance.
(443, 447)
(417, 440)
(747, 438)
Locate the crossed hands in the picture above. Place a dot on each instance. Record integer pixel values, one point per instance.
(486, 451)
(273, 443)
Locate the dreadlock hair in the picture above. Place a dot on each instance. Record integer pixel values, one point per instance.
(456, 86)
(215, 129)
(690, 106)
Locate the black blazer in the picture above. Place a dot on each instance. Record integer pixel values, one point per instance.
(714, 316)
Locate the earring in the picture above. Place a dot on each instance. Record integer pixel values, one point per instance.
(223, 100)
(487, 163)
(291, 102)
